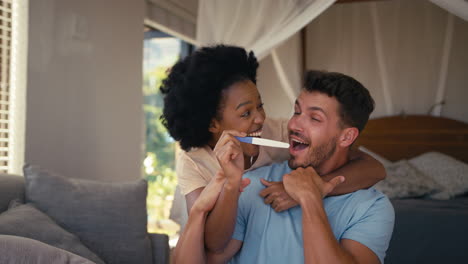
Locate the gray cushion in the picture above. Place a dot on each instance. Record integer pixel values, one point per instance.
(20, 250)
(450, 173)
(404, 180)
(109, 218)
(27, 221)
(11, 187)
(160, 245)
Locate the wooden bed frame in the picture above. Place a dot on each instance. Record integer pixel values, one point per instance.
(404, 137)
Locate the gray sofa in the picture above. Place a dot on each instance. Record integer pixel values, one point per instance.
(48, 218)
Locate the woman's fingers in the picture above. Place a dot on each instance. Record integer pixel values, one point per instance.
(229, 136)
(228, 152)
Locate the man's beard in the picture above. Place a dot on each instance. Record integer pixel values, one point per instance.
(319, 155)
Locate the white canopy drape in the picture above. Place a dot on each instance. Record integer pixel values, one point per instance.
(260, 26)
(456, 7)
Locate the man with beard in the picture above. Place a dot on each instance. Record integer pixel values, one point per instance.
(330, 112)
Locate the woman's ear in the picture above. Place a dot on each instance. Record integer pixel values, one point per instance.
(214, 126)
(348, 136)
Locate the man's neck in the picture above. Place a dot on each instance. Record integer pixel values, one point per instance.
(337, 160)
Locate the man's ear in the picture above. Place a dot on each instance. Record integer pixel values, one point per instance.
(214, 126)
(348, 136)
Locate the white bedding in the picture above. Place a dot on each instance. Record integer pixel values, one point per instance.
(433, 175)
(448, 172)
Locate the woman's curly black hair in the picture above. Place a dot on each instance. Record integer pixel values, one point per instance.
(193, 90)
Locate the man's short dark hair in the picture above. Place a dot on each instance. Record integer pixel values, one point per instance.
(356, 103)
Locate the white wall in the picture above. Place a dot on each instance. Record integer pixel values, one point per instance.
(84, 101)
(412, 35)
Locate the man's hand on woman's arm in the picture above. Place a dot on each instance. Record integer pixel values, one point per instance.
(361, 172)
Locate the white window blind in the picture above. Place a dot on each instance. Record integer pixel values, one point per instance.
(13, 49)
(5, 55)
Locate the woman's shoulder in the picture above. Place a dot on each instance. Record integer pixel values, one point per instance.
(197, 160)
(195, 154)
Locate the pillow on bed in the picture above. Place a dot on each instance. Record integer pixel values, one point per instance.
(376, 156)
(448, 172)
(405, 181)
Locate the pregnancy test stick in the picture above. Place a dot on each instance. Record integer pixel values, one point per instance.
(263, 142)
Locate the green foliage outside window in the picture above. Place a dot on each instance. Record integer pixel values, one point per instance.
(160, 156)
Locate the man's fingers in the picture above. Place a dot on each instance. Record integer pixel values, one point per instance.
(330, 185)
(280, 208)
(244, 183)
(269, 183)
(265, 182)
(269, 199)
(269, 189)
(265, 192)
(278, 205)
(274, 206)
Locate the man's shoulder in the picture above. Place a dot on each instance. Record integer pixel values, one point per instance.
(368, 218)
(370, 193)
(370, 201)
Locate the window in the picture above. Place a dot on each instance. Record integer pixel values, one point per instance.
(13, 49)
(161, 51)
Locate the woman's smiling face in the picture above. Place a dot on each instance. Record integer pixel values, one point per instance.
(241, 110)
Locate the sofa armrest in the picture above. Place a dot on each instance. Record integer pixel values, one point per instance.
(11, 187)
(160, 247)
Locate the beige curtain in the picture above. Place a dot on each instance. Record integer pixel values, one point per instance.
(263, 27)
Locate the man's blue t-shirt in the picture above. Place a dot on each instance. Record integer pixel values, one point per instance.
(365, 216)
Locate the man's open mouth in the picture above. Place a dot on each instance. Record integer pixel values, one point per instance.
(298, 144)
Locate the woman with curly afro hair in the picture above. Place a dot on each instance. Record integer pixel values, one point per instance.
(210, 97)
